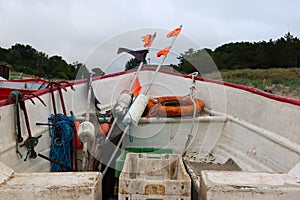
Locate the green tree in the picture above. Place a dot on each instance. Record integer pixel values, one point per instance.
(196, 60)
(283, 52)
(24, 58)
(131, 64)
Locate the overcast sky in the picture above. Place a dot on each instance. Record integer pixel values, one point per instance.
(72, 29)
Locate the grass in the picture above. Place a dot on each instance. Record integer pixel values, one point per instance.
(17, 75)
(281, 81)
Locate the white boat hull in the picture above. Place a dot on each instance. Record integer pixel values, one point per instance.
(260, 134)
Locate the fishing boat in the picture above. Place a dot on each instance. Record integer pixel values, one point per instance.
(244, 143)
(28, 85)
(146, 134)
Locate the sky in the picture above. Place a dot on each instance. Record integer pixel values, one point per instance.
(75, 28)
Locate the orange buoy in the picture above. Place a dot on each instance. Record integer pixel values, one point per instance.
(172, 106)
(79, 145)
(103, 129)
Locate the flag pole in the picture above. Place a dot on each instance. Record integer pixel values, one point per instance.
(159, 66)
(136, 75)
(138, 104)
(130, 87)
(141, 64)
(115, 120)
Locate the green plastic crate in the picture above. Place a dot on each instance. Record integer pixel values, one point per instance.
(120, 160)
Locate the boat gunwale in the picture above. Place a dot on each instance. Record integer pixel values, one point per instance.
(233, 85)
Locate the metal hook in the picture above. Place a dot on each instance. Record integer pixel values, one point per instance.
(57, 142)
(31, 94)
(68, 83)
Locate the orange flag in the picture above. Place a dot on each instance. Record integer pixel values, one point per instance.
(136, 88)
(148, 39)
(174, 33)
(163, 52)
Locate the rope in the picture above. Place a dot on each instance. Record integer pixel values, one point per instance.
(61, 150)
(192, 96)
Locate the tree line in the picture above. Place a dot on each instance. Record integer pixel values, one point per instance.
(26, 59)
(281, 53)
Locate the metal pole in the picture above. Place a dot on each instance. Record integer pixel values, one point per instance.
(159, 66)
(136, 75)
(115, 150)
(55, 162)
(87, 118)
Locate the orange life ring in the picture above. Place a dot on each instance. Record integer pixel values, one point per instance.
(172, 106)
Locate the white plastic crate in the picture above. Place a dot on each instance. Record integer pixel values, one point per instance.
(154, 176)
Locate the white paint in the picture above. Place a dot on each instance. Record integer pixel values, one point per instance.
(244, 185)
(5, 173)
(295, 171)
(68, 185)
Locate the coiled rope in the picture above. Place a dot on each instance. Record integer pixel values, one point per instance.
(61, 149)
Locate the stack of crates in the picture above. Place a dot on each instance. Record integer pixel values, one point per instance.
(154, 176)
(120, 160)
